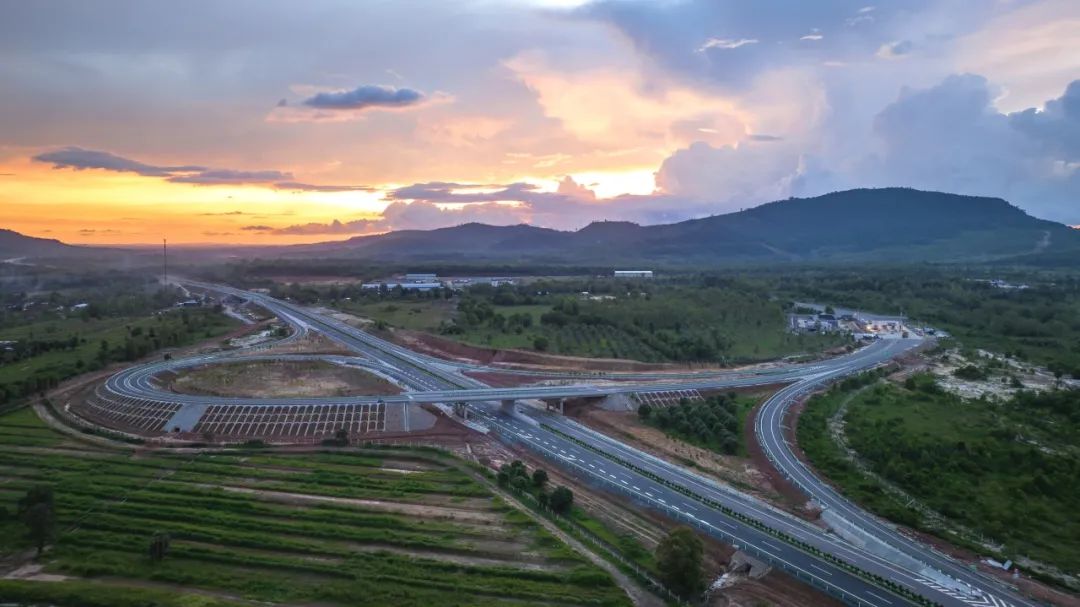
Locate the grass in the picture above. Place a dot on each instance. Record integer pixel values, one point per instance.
(419, 315)
(1002, 469)
(231, 540)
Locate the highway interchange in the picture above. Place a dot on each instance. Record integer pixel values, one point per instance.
(806, 551)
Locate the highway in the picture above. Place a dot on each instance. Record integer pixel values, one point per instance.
(806, 551)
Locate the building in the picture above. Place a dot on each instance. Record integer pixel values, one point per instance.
(421, 278)
(418, 286)
(633, 274)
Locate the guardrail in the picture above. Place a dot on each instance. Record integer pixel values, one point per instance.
(799, 573)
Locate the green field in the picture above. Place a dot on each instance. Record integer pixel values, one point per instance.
(375, 527)
(1006, 469)
(412, 314)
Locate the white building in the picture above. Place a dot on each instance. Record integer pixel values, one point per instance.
(418, 286)
(421, 278)
(633, 274)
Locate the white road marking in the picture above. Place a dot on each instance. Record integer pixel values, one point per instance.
(879, 597)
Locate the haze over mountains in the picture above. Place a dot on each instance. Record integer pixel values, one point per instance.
(889, 224)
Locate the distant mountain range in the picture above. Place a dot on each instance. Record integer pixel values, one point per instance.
(881, 225)
(889, 224)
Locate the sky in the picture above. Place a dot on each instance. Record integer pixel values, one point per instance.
(273, 122)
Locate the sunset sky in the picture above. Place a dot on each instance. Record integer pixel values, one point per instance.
(266, 122)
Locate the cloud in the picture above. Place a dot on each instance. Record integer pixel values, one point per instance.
(81, 159)
(89, 231)
(365, 97)
(729, 177)
(946, 137)
(812, 37)
(258, 228)
(950, 137)
(725, 43)
(335, 227)
(416, 215)
(569, 187)
(895, 50)
(223, 214)
(308, 187)
(1057, 126)
(230, 177)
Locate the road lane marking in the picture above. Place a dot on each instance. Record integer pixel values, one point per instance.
(878, 597)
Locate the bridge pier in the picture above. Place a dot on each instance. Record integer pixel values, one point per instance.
(461, 409)
(508, 405)
(555, 404)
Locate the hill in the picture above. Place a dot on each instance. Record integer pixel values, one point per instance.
(889, 224)
(14, 245)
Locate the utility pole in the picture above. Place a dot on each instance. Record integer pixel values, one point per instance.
(165, 261)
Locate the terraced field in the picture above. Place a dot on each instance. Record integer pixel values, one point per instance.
(376, 527)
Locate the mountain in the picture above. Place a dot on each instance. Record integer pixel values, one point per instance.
(15, 245)
(888, 224)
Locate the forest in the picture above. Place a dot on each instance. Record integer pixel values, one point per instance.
(653, 322)
(48, 337)
(1035, 317)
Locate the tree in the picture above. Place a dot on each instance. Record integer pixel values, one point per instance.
(561, 500)
(503, 478)
(540, 343)
(159, 546)
(678, 559)
(520, 483)
(539, 477)
(644, 411)
(38, 494)
(342, 436)
(39, 522)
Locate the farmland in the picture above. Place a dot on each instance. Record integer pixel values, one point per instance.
(377, 526)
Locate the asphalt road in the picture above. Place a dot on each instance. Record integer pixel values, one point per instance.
(753, 526)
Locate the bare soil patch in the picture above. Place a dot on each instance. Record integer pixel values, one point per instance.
(509, 558)
(277, 379)
(775, 590)
(414, 509)
(739, 472)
